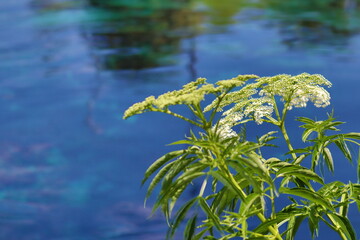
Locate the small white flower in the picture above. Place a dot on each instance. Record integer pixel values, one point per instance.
(224, 129)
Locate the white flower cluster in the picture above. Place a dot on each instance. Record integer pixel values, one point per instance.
(259, 108)
(224, 127)
(225, 130)
(297, 90)
(252, 108)
(318, 95)
(249, 103)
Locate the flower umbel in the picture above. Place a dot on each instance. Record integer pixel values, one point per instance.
(297, 90)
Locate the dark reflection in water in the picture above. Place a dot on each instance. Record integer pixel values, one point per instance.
(139, 35)
(308, 24)
(224, 12)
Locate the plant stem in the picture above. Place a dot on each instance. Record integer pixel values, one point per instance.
(281, 120)
(287, 139)
(178, 116)
(243, 196)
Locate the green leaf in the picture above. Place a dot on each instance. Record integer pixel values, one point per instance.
(182, 164)
(309, 195)
(180, 216)
(267, 137)
(158, 177)
(248, 204)
(298, 171)
(256, 165)
(313, 222)
(167, 194)
(224, 180)
(306, 134)
(328, 159)
(160, 162)
(224, 200)
(263, 227)
(200, 234)
(343, 209)
(299, 159)
(305, 120)
(211, 215)
(342, 225)
(344, 148)
(198, 169)
(353, 135)
(181, 142)
(190, 228)
(293, 226)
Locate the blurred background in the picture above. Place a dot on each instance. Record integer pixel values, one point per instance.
(70, 167)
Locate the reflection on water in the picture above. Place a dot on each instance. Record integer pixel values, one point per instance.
(147, 34)
(307, 23)
(141, 34)
(224, 12)
(70, 167)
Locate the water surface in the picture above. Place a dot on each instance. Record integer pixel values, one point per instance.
(70, 166)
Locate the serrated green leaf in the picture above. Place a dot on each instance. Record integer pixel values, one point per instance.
(181, 142)
(248, 203)
(293, 226)
(200, 234)
(306, 134)
(267, 137)
(190, 228)
(224, 180)
(211, 215)
(182, 165)
(353, 135)
(342, 225)
(223, 199)
(158, 177)
(344, 148)
(313, 222)
(180, 216)
(181, 189)
(344, 204)
(328, 159)
(160, 162)
(299, 159)
(298, 171)
(263, 227)
(179, 185)
(309, 195)
(305, 120)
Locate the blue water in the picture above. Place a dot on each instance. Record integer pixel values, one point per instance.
(70, 167)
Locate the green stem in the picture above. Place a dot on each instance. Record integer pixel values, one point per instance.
(287, 139)
(219, 99)
(281, 120)
(272, 229)
(178, 116)
(224, 168)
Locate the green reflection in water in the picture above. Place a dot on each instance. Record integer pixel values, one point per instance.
(138, 34)
(223, 12)
(142, 34)
(310, 23)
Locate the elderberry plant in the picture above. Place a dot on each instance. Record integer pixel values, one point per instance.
(240, 184)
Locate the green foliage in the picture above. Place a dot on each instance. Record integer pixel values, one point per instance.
(240, 184)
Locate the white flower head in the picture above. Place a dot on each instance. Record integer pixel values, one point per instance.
(259, 108)
(224, 129)
(297, 90)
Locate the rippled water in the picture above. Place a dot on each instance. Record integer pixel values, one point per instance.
(70, 166)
